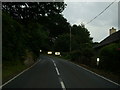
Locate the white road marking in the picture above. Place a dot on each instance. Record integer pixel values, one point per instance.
(95, 73)
(102, 77)
(98, 75)
(60, 80)
(62, 85)
(53, 61)
(18, 75)
(57, 71)
(55, 65)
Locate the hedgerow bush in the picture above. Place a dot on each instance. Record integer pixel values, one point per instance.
(110, 57)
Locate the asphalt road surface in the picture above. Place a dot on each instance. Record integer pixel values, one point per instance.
(51, 72)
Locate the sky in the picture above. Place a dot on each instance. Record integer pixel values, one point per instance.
(77, 12)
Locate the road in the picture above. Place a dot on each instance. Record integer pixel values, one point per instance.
(51, 72)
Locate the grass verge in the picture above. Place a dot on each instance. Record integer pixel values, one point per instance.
(11, 69)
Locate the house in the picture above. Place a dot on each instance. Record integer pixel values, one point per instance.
(112, 38)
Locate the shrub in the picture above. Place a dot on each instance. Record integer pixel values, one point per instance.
(110, 57)
(75, 55)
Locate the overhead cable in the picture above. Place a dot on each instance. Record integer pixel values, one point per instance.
(101, 12)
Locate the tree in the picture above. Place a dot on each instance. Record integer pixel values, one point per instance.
(25, 11)
(80, 38)
(81, 44)
(47, 14)
(62, 43)
(13, 38)
(58, 25)
(37, 37)
(17, 38)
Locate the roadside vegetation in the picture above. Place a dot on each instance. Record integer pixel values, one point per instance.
(29, 27)
(110, 57)
(10, 69)
(109, 61)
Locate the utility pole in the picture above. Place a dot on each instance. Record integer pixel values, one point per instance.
(70, 39)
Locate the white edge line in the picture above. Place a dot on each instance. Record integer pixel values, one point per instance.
(98, 75)
(18, 75)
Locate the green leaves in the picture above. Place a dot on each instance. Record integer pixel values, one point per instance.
(18, 38)
(38, 37)
(62, 43)
(13, 38)
(26, 11)
(40, 25)
(110, 57)
(81, 45)
(80, 41)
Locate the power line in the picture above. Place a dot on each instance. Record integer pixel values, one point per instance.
(101, 12)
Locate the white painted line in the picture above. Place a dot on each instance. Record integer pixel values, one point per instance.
(62, 85)
(60, 80)
(55, 65)
(95, 73)
(57, 71)
(18, 75)
(53, 60)
(98, 75)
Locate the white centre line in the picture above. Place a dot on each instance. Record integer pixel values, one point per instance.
(57, 71)
(55, 65)
(63, 86)
(53, 61)
(60, 80)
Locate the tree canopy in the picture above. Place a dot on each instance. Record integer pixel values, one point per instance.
(80, 38)
(25, 11)
(32, 26)
(40, 25)
(46, 13)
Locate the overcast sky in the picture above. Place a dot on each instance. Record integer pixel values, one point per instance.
(83, 12)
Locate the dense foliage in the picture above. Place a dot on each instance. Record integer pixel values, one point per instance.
(17, 39)
(81, 44)
(110, 57)
(29, 27)
(13, 37)
(46, 13)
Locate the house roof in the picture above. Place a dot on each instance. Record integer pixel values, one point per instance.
(110, 39)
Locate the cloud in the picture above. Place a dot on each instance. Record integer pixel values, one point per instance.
(77, 12)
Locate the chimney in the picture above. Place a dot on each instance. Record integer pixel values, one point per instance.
(113, 30)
